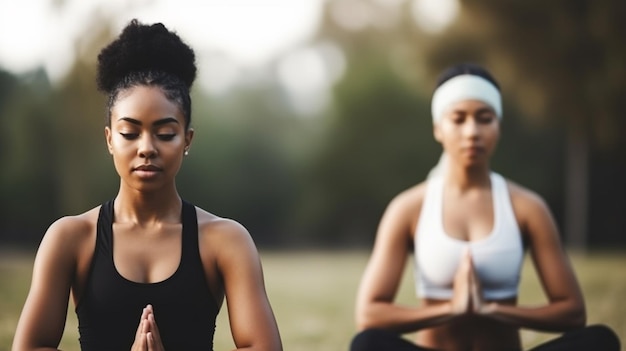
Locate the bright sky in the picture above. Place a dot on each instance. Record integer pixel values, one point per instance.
(227, 35)
(34, 32)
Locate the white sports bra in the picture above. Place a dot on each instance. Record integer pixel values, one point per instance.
(497, 258)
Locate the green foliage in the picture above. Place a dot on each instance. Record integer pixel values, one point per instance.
(28, 158)
(568, 50)
(243, 163)
(557, 62)
(379, 141)
(326, 179)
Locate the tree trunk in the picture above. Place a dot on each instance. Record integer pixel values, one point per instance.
(576, 190)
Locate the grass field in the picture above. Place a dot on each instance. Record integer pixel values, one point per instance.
(312, 294)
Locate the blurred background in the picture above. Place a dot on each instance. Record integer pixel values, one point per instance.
(311, 115)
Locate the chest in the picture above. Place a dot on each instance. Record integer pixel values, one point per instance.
(484, 223)
(147, 255)
(469, 217)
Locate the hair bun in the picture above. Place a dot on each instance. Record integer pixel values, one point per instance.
(145, 48)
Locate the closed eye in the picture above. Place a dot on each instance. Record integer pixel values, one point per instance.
(129, 136)
(486, 118)
(458, 119)
(166, 137)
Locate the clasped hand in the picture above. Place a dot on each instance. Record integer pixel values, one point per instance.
(147, 337)
(467, 296)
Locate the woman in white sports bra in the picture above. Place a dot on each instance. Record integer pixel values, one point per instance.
(468, 229)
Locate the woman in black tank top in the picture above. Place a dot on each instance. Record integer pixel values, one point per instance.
(147, 271)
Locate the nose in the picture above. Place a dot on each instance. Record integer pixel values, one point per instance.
(146, 148)
(471, 128)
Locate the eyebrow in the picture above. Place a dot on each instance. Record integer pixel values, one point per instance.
(159, 122)
(487, 109)
(479, 110)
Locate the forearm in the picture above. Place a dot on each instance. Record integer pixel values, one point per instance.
(274, 345)
(556, 317)
(27, 338)
(265, 348)
(21, 348)
(402, 319)
(264, 337)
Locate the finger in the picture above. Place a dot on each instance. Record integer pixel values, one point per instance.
(468, 256)
(471, 270)
(469, 262)
(140, 343)
(150, 312)
(154, 328)
(476, 298)
(466, 262)
(144, 312)
(476, 290)
(150, 342)
(461, 302)
(144, 342)
(139, 328)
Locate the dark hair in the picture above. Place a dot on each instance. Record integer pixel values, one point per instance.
(466, 68)
(149, 55)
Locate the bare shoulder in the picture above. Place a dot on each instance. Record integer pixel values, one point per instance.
(531, 210)
(72, 232)
(65, 251)
(222, 234)
(210, 224)
(227, 249)
(524, 199)
(401, 216)
(411, 199)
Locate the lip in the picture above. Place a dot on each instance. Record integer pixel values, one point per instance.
(147, 171)
(473, 150)
(147, 168)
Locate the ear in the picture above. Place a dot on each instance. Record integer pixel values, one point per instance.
(437, 132)
(108, 134)
(188, 137)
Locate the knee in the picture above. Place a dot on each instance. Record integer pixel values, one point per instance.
(603, 336)
(368, 340)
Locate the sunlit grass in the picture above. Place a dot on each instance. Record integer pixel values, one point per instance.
(312, 294)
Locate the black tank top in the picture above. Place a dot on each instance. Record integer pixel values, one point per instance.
(110, 308)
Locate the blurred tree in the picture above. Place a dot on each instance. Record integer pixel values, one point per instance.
(28, 156)
(242, 163)
(390, 62)
(85, 172)
(326, 179)
(7, 84)
(378, 138)
(377, 146)
(564, 63)
(7, 87)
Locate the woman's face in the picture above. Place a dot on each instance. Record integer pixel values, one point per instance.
(468, 131)
(147, 138)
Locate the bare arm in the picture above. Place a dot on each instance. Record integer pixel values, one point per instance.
(251, 318)
(565, 308)
(42, 320)
(375, 306)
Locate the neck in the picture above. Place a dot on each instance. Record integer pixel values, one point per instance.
(147, 207)
(467, 178)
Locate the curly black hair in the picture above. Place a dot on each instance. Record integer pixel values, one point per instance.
(149, 55)
(466, 68)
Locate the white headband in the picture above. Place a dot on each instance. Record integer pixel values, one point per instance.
(465, 87)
